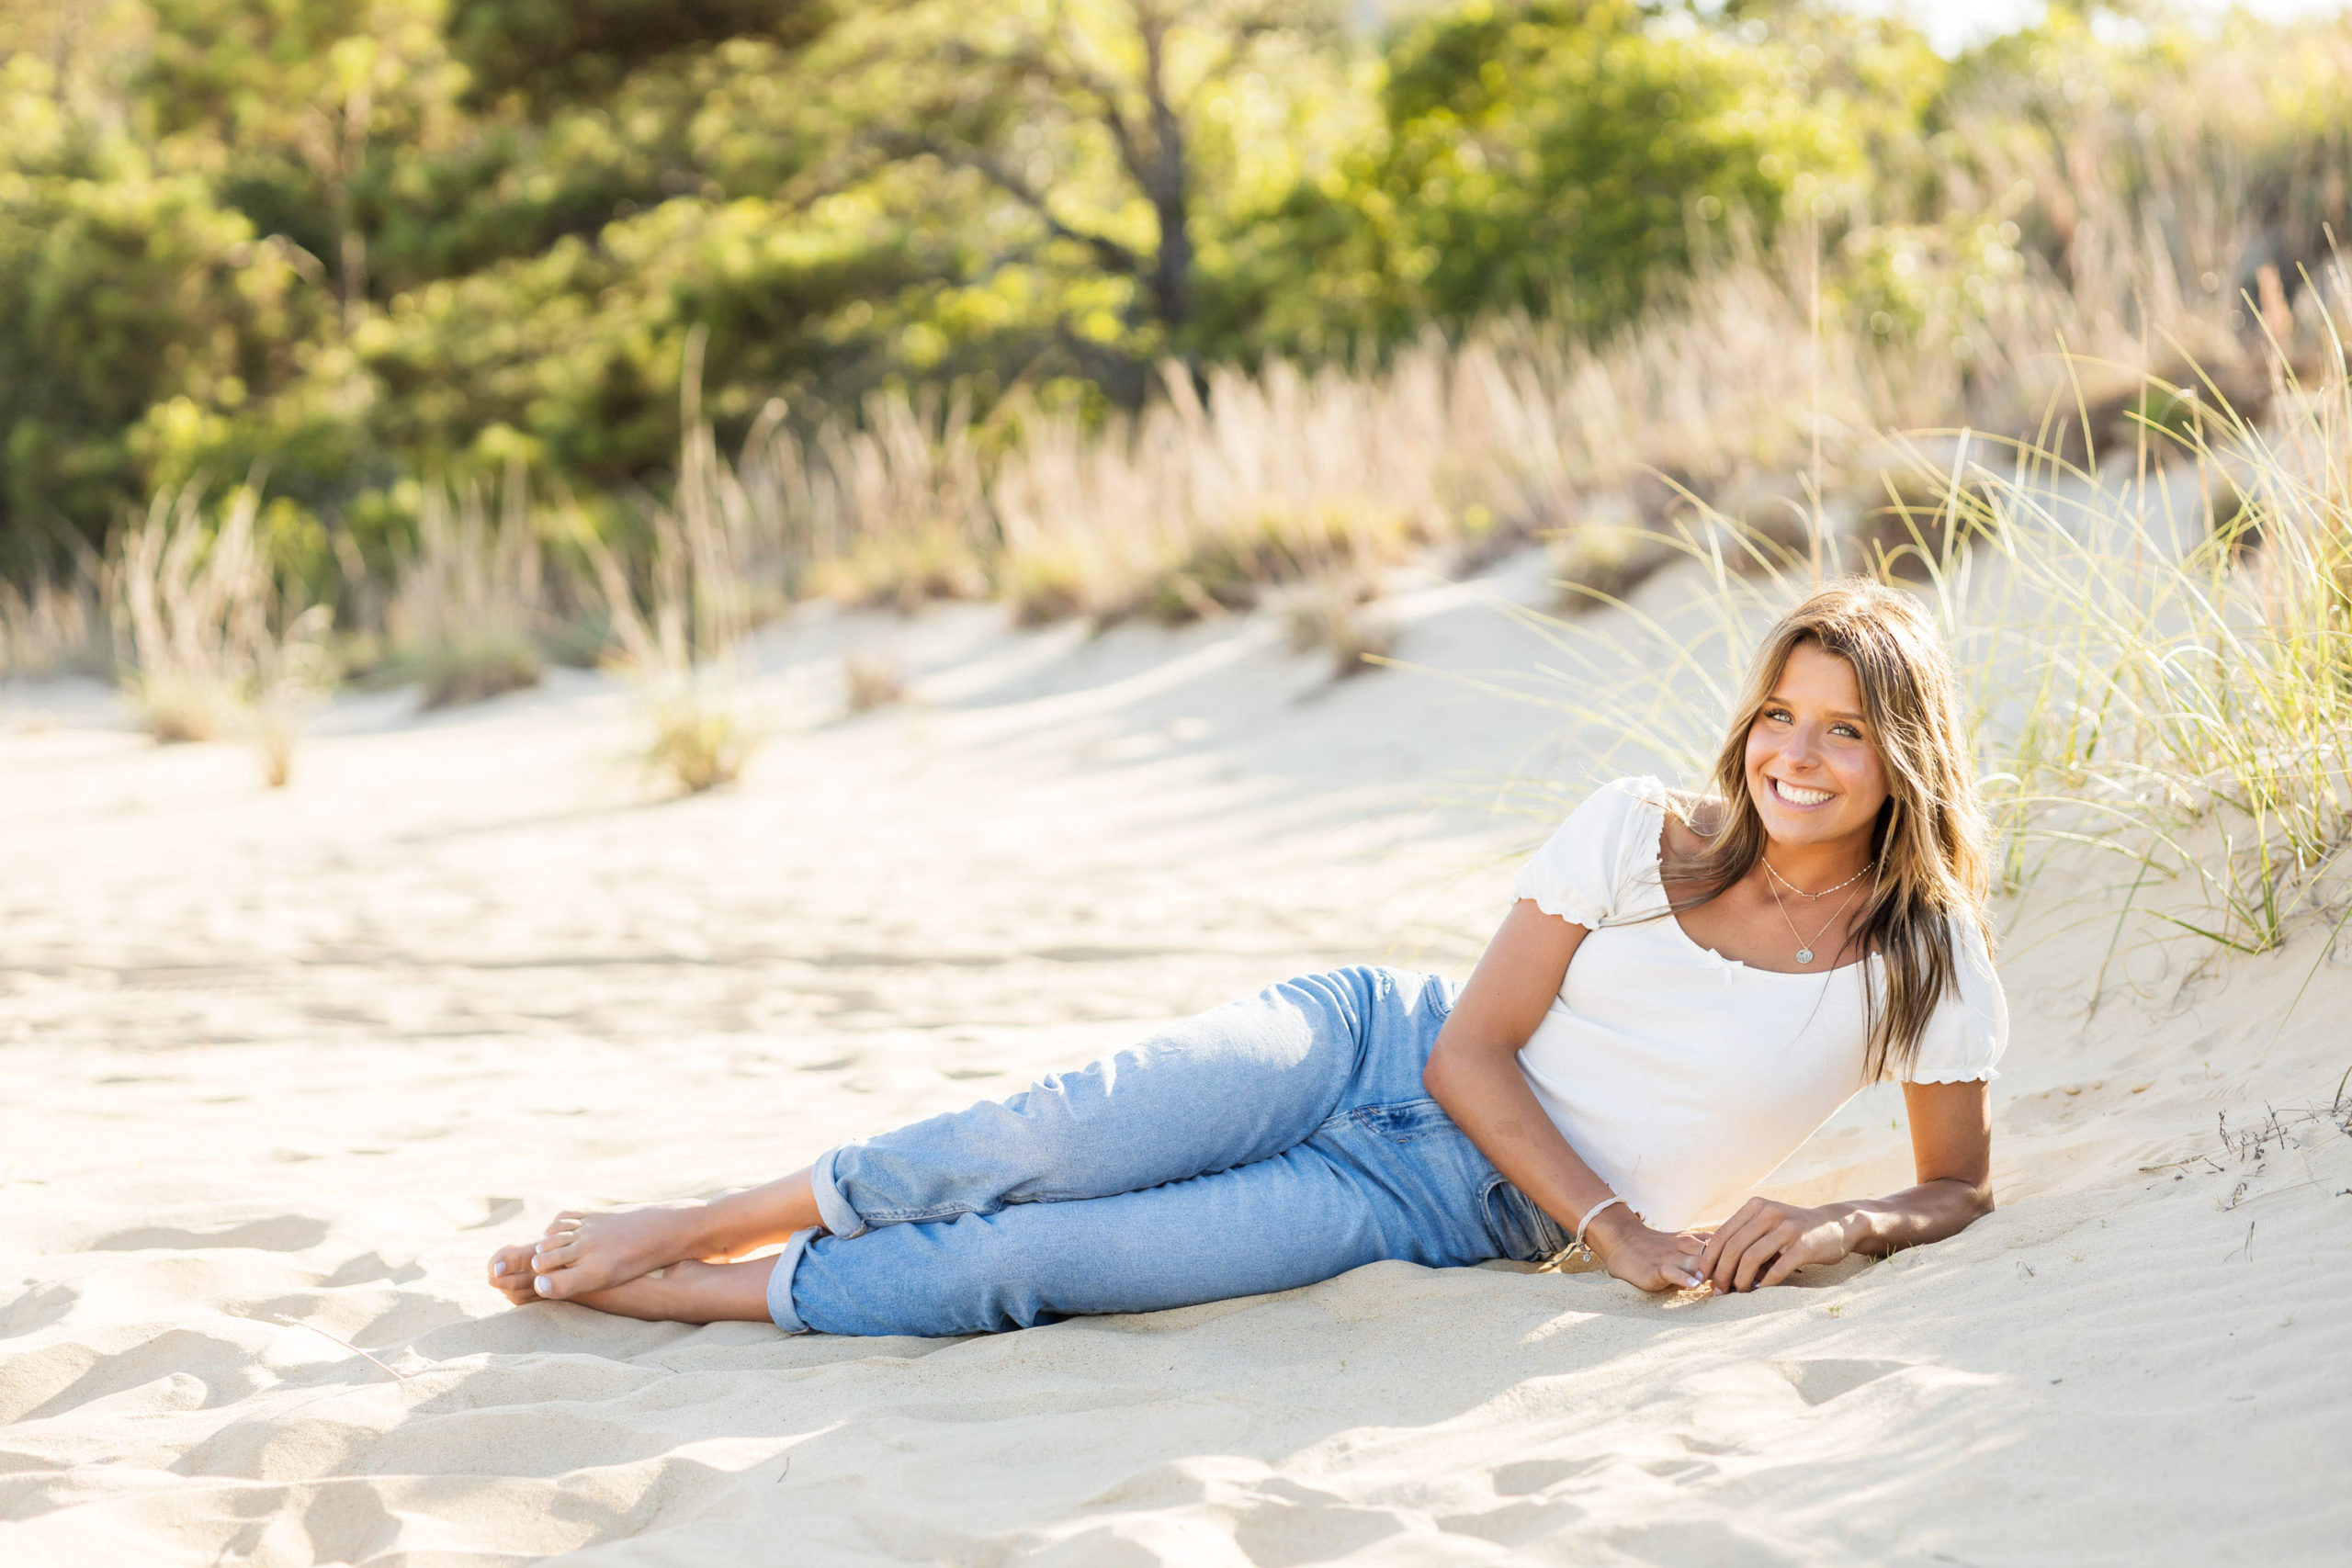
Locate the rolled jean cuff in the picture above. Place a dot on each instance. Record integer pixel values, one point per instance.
(831, 1207)
(780, 1283)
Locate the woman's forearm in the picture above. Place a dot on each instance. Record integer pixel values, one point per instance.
(1488, 1099)
(1913, 1217)
(1481, 1088)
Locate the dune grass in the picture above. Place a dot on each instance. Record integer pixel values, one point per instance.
(2125, 500)
(465, 618)
(679, 620)
(2157, 667)
(210, 645)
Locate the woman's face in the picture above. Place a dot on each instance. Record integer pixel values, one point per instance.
(1813, 765)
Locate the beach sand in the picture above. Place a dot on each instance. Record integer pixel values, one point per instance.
(282, 1068)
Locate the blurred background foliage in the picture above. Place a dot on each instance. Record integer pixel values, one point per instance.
(362, 245)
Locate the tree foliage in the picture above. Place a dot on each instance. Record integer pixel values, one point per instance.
(369, 241)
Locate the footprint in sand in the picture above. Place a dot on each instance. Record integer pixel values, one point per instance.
(277, 1233)
(1817, 1382)
(37, 1309)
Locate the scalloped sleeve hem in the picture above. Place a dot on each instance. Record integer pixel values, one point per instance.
(1956, 1075)
(1970, 1029)
(1585, 870)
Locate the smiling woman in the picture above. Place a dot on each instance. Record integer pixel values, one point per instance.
(1688, 1049)
(1673, 1004)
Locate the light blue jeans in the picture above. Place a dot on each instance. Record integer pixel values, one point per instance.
(1265, 1145)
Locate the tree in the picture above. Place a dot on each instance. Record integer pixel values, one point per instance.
(1562, 158)
(1072, 135)
(541, 53)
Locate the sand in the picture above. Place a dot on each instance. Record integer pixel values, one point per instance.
(282, 1068)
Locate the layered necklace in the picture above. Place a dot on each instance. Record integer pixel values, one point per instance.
(1804, 947)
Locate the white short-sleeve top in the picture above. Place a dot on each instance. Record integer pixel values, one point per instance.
(1682, 1077)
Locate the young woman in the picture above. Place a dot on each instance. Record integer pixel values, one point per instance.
(1686, 986)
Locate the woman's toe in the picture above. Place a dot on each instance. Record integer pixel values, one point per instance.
(510, 1274)
(544, 1257)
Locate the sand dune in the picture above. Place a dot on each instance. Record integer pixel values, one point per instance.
(282, 1069)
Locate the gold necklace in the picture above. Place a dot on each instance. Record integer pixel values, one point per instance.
(1826, 892)
(1804, 948)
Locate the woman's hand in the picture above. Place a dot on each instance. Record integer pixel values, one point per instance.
(1767, 1242)
(1645, 1259)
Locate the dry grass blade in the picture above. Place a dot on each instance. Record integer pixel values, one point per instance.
(297, 1323)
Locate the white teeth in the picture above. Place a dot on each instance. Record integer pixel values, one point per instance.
(1796, 796)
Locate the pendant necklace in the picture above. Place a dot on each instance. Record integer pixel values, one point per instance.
(1804, 948)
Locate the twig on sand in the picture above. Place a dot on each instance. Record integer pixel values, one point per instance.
(297, 1323)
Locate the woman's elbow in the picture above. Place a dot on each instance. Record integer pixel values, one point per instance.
(1456, 1060)
(1442, 1074)
(1437, 1072)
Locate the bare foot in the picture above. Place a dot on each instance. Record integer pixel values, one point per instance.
(510, 1276)
(596, 1251)
(691, 1293)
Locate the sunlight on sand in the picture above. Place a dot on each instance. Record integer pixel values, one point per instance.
(283, 1068)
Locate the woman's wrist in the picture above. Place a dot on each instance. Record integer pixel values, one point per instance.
(1605, 1229)
(1854, 1226)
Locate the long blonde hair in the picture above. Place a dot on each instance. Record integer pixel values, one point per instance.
(1929, 841)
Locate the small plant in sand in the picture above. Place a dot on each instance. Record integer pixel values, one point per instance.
(462, 618)
(872, 679)
(701, 737)
(211, 647)
(191, 606)
(678, 634)
(1340, 614)
(293, 672)
(701, 741)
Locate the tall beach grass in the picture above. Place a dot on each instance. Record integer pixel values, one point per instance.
(2155, 649)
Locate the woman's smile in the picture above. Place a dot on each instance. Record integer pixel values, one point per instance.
(1797, 796)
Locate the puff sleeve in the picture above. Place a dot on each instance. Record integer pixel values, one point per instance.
(1971, 1026)
(1588, 870)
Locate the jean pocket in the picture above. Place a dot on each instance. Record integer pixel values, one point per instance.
(1520, 1229)
(1438, 995)
(1405, 1121)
